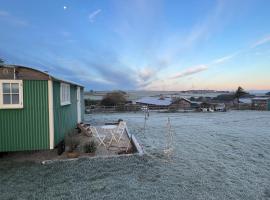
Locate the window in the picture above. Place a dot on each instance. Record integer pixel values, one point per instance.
(11, 94)
(65, 94)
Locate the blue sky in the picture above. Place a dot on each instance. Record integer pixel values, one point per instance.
(141, 44)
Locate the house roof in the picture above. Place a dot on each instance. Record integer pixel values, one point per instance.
(42, 72)
(245, 100)
(155, 101)
(261, 98)
(186, 99)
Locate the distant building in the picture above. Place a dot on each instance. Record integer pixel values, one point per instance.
(221, 107)
(245, 101)
(176, 103)
(94, 96)
(36, 109)
(261, 103)
(161, 102)
(182, 103)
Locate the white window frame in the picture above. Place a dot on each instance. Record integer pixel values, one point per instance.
(11, 106)
(64, 94)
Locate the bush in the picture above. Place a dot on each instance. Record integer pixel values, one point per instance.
(71, 141)
(89, 102)
(90, 147)
(113, 99)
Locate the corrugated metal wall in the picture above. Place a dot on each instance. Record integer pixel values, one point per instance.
(27, 128)
(269, 105)
(65, 117)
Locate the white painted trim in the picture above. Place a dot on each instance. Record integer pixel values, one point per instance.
(51, 119)
(135, 142)
(79, 103)
(12, 106)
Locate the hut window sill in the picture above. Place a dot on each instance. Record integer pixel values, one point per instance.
(65, 103)
(15, 106)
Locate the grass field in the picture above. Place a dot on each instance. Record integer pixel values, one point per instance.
(215, 156)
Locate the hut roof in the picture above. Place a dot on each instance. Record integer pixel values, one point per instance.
(48, 75)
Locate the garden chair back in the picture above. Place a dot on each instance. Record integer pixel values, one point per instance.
(101, 138)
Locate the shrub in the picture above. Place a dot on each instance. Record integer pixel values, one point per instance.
(90, 147)
(113, 98)
(71, 141)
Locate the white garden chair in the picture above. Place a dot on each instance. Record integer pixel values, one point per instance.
(101, 138)
(120, 130)
(112, 133)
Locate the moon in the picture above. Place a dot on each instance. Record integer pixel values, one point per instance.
(65, 7)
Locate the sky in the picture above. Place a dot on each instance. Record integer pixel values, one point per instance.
(141, 44)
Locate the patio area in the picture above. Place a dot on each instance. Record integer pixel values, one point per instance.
(109, 141)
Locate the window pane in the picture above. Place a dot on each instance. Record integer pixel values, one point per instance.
(6, 99)
(15, 88)
(63, 92)
(66, 93)
(6, 88)
(15, 99)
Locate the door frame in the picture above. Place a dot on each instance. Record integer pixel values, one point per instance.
(79, 105)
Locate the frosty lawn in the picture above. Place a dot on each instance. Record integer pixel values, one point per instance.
(216, 156)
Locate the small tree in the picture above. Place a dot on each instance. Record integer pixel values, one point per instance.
(239, 93)
(113, 98)
(192, 99)
(1, 61)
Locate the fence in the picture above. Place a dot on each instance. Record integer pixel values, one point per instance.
(134, 108)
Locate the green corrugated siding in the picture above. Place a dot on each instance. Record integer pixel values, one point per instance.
(269, 105)
(82, 104)
(65, 117)
(27, 128)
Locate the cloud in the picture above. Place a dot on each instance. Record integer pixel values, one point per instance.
(190, 71)
(224, 58)
(205, 28)
(146, 73)
(203, 67)
(11, 19)
(93, 15)
(261, 41)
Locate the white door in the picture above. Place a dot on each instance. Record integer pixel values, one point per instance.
(79, 104)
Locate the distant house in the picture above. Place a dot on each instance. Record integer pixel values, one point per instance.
(261, 103)
(221, 107)
(182, 103)
(94, 96)
(207, 106)
(36, 109)
(195, 104)
(165, 102)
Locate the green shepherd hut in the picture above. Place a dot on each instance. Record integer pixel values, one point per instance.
(36, 109)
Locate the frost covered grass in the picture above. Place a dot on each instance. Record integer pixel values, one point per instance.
(215, 156)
